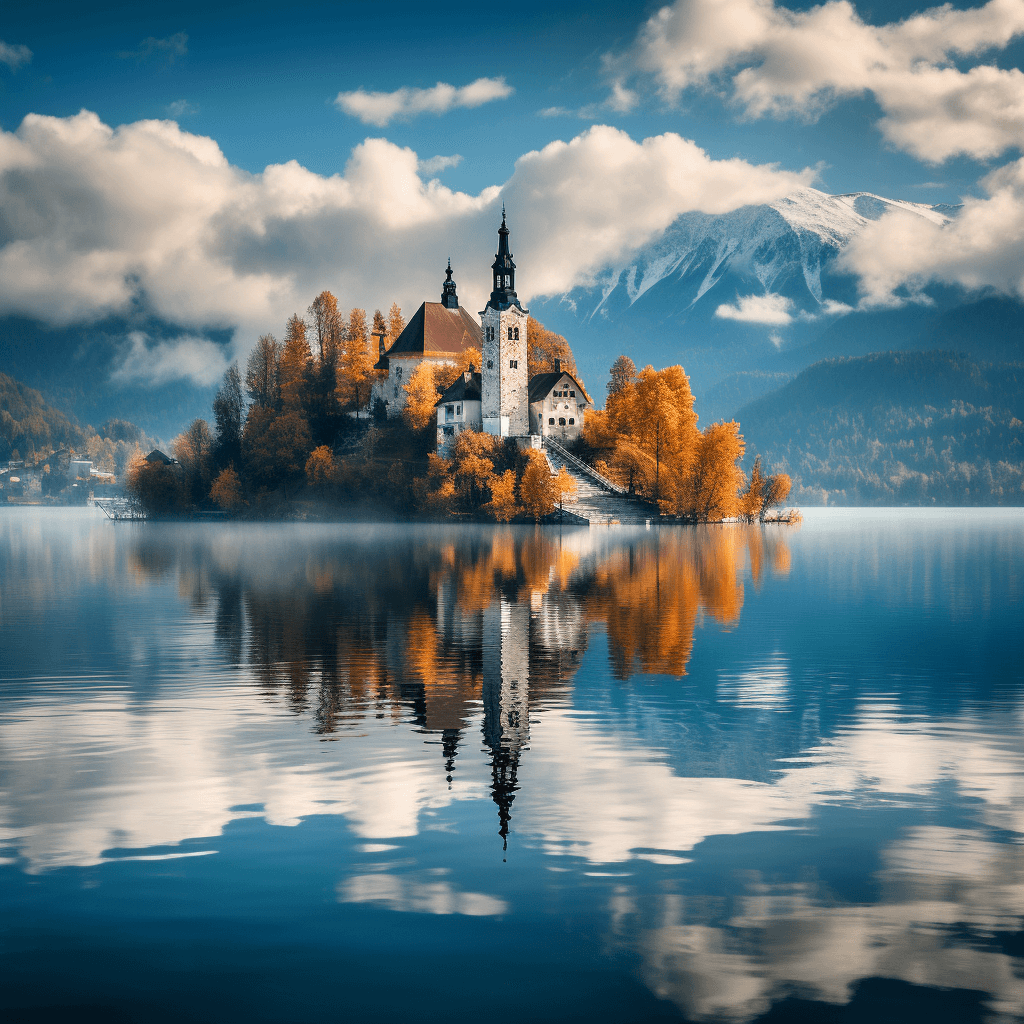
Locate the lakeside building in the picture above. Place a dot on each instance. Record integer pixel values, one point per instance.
(501, 398)
(438, 332)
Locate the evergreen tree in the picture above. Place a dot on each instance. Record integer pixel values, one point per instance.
(229, 414)
(623, 374)
(322, 375)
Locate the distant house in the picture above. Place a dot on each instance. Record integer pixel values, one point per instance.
(158, 457)
(439, 332)
(80, 469)
(459, 409)
(557, 404)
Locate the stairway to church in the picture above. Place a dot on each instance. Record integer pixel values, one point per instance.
(597, 500)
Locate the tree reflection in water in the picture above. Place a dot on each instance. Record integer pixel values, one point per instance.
(486, 620)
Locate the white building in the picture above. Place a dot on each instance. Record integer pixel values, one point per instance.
(557, 404)
(459, 409)
(439, 333)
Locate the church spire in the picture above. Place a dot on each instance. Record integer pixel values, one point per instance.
(448, 297)
(503, 271)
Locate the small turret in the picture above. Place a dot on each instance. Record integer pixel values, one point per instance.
(448, 297)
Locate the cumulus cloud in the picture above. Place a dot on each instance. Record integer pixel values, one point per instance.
(982, 248)
(759, 309)
(380, 108)
(98, 218)
(435, 164)
(14, 55)
(168, 48)
(773, 60)
(186, 357)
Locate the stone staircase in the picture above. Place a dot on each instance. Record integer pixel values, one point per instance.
(598, 500)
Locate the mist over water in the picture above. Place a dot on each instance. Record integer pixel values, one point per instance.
(276, 772)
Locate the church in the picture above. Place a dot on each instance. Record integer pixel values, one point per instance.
(501, 398)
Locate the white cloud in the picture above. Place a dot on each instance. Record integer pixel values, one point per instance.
(98, 217)
(983, 247)
(759, 309)
(380, 108)
(439, 163)
(181, 108)
(785, 62)
(183, 358)
(14, 55)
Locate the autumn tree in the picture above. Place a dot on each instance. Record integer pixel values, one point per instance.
(707, 490)
(294, 365)
(763, 493)
(446, 374)
(261, 372)
(156, 489)
(194, 451)
(320, 468)
(421, 397)
(228, 414)
(396, 323)
(355, 367)
(226, 491)
(537, 493)
(543, 347)
(502, 506)
(275, 447)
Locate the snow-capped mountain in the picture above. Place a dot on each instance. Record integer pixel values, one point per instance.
(795, 237)
(739, 292)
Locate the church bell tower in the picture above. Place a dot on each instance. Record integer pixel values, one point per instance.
(505, 399)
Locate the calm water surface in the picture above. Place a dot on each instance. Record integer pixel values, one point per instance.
(297, 773)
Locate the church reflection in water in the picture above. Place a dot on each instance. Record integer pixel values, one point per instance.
(480, 625)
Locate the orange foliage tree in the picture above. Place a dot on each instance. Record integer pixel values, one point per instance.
(226, 491)
(294, 364)
(763, 493)
(355, 366)
(543, 347)
(421, 397)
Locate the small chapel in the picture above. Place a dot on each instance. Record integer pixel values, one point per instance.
(501, 398)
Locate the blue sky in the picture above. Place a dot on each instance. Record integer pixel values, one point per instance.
(702, 105)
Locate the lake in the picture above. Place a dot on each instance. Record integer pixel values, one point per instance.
(415, 773)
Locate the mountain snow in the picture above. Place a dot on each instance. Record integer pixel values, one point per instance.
(797, 235)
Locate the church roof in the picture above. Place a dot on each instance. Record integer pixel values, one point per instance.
(436, 330)
(465, 389)
(541, 385)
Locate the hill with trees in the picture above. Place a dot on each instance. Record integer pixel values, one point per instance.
(29, 425)
(916, 428)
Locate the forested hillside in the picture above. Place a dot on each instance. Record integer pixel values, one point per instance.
(28, 424)
(896, 428)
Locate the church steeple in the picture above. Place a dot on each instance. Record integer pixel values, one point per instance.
(503, 270)
(448, 297)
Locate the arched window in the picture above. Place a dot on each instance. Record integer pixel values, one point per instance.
(516, 332)
(510, 334)
(571, 421)
(551, 421)
(561, 421)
